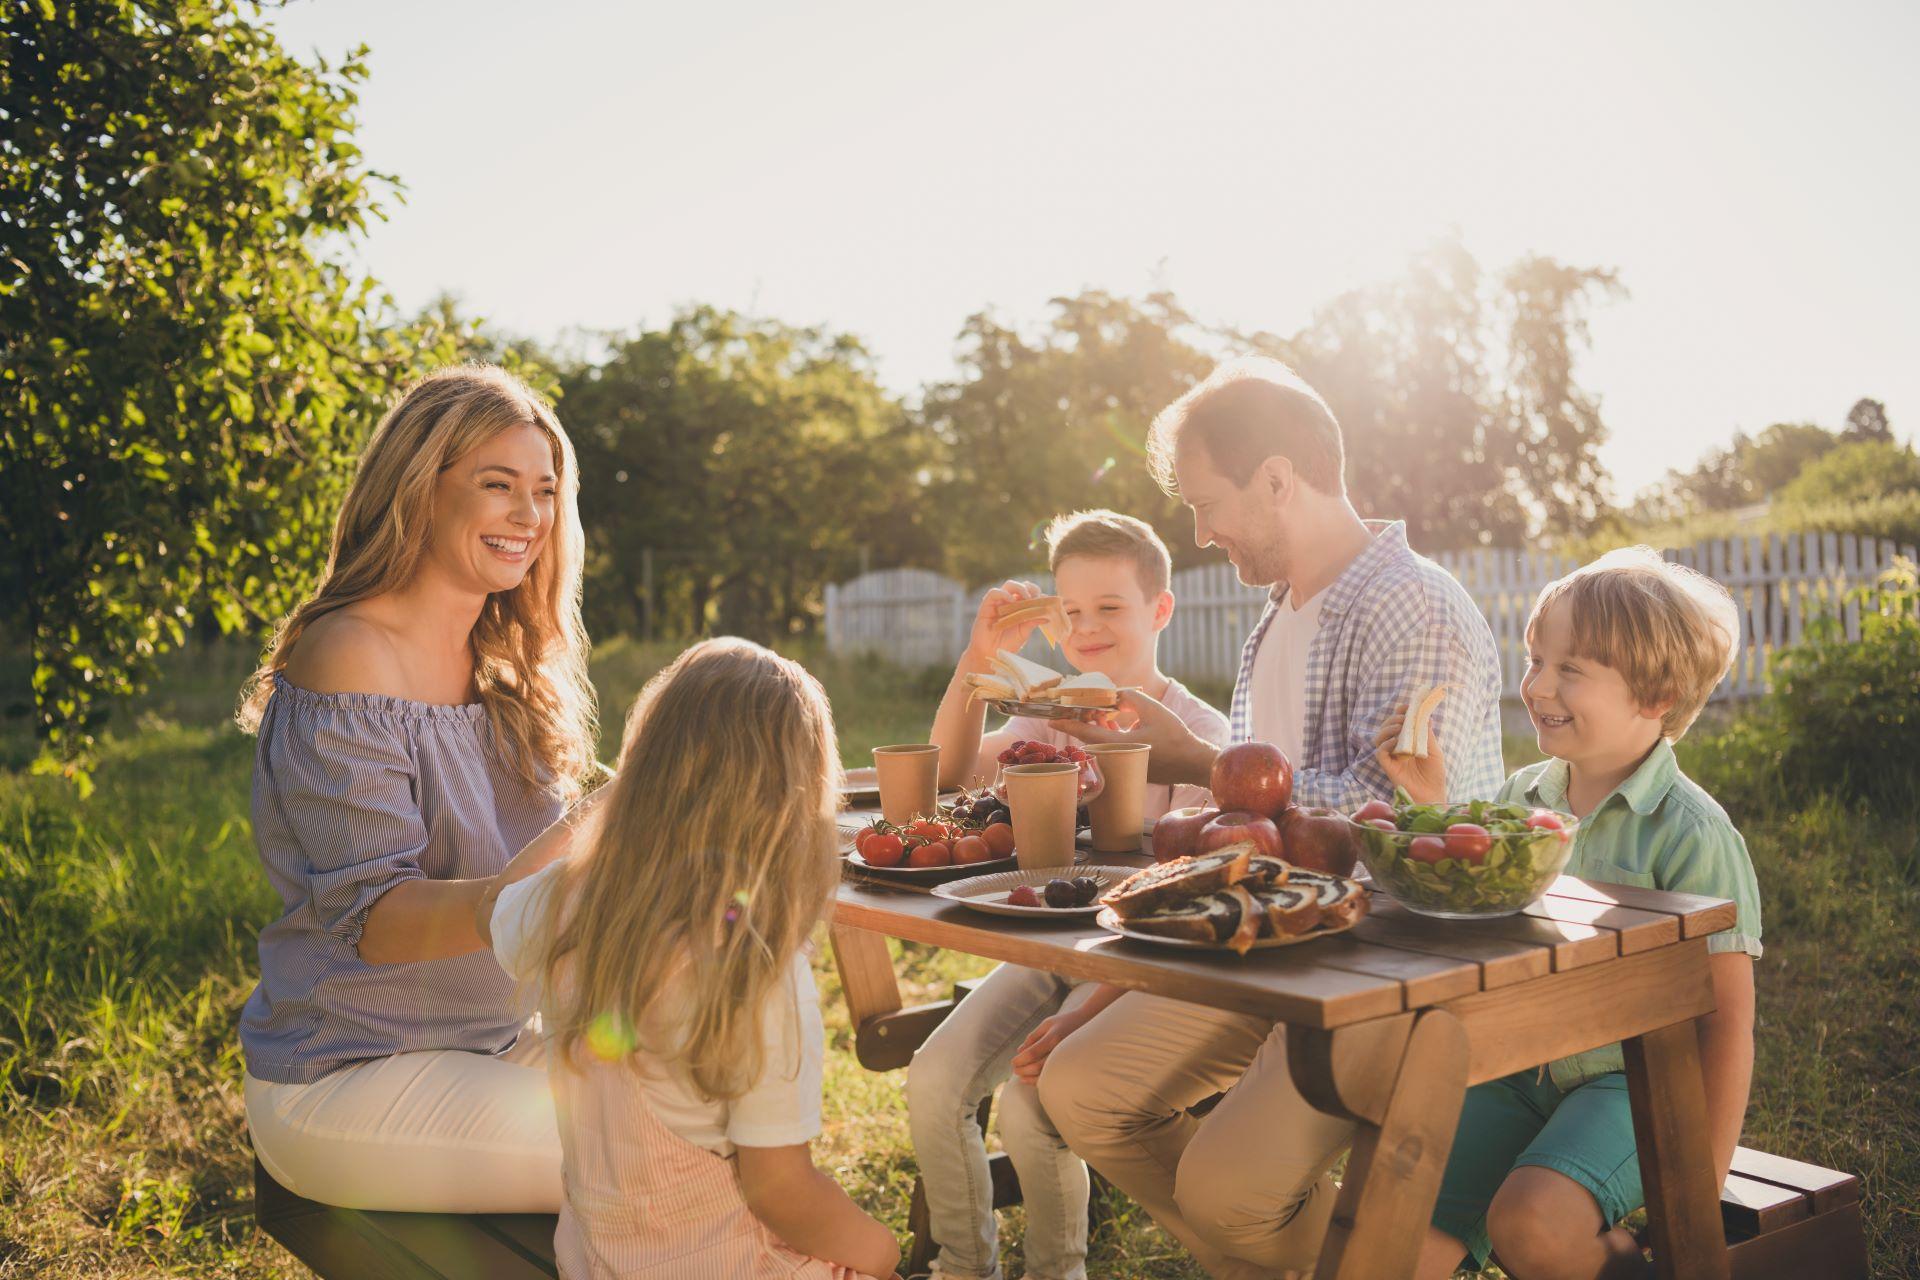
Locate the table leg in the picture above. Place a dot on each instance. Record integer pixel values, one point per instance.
(1400, 1151)
(866, 973)
(1669, 1102)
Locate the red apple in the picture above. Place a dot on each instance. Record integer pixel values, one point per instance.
(1231, 828)
(1177, 834)
(1254, 777)
(1321, 839)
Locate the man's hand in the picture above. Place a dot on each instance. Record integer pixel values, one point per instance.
(1423, 779)
(1179, 756)
(987, 637)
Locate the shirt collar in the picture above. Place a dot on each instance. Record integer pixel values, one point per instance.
(1388, 545)
(1643, 790)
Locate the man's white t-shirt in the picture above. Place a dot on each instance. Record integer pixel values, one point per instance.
(1161, 797)
(781, 1109)
(1277, 690)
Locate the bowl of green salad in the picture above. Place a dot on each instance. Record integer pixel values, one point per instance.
(1471, 861)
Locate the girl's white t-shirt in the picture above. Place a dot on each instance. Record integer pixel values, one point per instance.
(1161, 798)
(781, 1109)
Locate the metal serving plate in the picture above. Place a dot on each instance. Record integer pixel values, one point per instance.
(1043, 710)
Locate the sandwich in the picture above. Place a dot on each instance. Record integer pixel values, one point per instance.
(1017, 679)
(1416, 730)
(1179, 881)
(1050, 612)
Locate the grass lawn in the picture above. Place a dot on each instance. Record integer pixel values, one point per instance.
(127, 928)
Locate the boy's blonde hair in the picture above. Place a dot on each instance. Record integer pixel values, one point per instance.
(1110, 534)
(703, 870)
(1669, 631)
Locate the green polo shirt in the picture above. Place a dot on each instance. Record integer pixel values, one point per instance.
(1659, 830)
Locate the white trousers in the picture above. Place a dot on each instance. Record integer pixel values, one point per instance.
(442, 1131)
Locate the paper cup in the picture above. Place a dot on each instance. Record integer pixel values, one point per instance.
(1117, 810)
(1043, 798)
(909, 777)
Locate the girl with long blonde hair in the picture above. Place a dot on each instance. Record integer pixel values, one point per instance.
(423, 720)
(669, 958)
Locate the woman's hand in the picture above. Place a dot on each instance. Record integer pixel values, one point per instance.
(1423, 779)
(1045, 1038)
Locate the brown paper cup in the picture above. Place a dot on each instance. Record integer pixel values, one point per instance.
(1117, 810)
(1043, 798)
(909, 777)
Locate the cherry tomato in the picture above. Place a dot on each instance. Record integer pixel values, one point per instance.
(884, 849)
(1546, 820)
(1427, 849)
(934, 853)
(1373, 809)
(1468, 841)
(999, 838)
(1382, 824)
(925, 829)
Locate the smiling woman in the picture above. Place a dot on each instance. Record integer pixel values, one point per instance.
(424, 718)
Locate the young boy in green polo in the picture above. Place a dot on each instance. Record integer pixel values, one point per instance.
(1621, 656)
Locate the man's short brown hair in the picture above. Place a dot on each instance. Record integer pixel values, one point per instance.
(1245, 412)
(1110, 534)
(1670, 632)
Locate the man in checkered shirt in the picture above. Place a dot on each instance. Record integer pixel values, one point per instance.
(1355, 623)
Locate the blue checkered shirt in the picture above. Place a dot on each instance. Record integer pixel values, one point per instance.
(1392, 623)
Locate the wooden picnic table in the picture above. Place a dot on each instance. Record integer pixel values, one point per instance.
(1389, 1024)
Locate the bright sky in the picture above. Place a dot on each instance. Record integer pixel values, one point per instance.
(887, 169)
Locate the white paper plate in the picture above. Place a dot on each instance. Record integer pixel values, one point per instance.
(988, 893)
(1109, 921)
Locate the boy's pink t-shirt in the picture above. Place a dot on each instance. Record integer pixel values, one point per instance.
(1161, 797)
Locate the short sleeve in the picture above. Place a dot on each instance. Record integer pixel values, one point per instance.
(1709, 857)
(782, 1108)
(518, 915)
(345, 784)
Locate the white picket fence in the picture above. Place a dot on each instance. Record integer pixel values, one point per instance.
(914, 617)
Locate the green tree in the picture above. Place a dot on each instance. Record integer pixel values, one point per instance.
(1860, 472)
(745, 463)
(1448, 381)
(1055, 421)
(1867, 420)
(185, 374)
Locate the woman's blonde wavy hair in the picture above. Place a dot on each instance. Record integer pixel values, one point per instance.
(703, 868)
(529, 644)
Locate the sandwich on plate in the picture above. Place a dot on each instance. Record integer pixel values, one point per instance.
(1017, 679)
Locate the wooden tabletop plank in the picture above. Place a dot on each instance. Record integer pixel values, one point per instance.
(1750, 1207)
(1698, 915)
(1570, 945)
(1502, 961)
(1425, 978)
(1287, 983)
(1639, 930)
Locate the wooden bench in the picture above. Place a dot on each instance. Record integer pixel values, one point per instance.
(362, 1244)
(1784, 1219)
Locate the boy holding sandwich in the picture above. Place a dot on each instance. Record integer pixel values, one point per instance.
(1621, 656)
(1111, 575)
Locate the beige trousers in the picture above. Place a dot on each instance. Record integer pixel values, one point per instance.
(439, 1131)
(1246, 1189)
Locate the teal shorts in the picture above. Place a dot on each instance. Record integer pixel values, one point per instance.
(1524, 1119)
